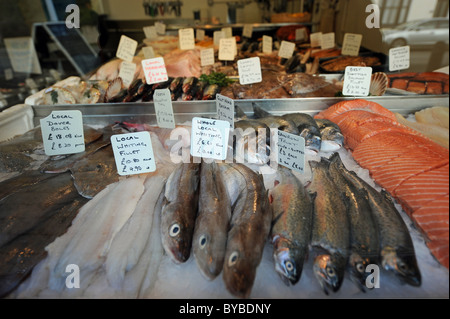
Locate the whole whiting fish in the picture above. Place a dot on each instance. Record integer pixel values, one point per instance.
(332, 138)
(364, 242)
(396, 247)
(291, 225)
(249, 229)
(212, 223)
(307, 129)
(179, 211)
(331, 232)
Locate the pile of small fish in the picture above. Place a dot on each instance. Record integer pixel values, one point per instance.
(114, 91)
(224, 214)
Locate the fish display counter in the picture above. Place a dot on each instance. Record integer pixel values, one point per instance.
(190, 230)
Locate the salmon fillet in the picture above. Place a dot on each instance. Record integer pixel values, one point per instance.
(432, 218)
(434, 88)
(422, 189)
(356, 136)
(416, 87)
(439, 249)
(381, 148)
(403, 167)
(400, 84)
(357, 104)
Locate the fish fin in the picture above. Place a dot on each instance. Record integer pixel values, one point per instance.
(259, 112)
(239, 112)
(276, 218)
(313, 196)
(335, 158)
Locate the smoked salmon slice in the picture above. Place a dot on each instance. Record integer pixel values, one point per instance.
(357, 104)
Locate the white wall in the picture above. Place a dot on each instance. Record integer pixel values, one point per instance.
(134, 10)
(420, 9)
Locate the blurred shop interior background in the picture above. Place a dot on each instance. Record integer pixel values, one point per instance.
(423, 25)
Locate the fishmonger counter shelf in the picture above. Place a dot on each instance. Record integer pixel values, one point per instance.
(105, 114)
(131, 262)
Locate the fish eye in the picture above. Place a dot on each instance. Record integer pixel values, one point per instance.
(233, 258)
(331, 272)
(202, 241)
(174, 230)
(289, 266)
(402, 266)
(360, 267)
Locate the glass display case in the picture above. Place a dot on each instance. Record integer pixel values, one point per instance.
(332, 117)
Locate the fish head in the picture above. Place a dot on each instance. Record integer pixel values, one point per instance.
(312, 141)
(328, 272)
(176, 233)
(209, 253)
(288, 261)
(357, 270)
(332, 139)
(238, 269)
(403, 264)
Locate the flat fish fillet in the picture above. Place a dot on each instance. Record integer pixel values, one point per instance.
(130, 242)
(104, 221)
(358, 104)
(437, 115)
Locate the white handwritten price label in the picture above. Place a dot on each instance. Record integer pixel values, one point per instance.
(316, 39)
(62, 133)
(217, 36)
(150, 32)
(149, 53)
(155, 70)
(300, 34)
(399, 58)
(126, 73)
(351, 44)
(225, 109)
(209, 138)
(127, 48)
(267, 43)
(249, 71)
(207, 57)
(227, 49)
(286, 49)
(163, 108)
(357, 81)
(9, 75)
(133, 153)
(186, 38)
(247, 31)
(228, 32)
(200, 35)
(291, 151)
(328, 41)
(160, 28)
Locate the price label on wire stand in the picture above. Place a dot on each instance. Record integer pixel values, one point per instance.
(62, 133)
(133, 153)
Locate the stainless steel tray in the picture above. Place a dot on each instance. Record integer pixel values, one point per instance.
(137, 112)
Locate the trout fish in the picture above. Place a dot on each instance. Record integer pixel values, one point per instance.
(331, 229)
(291, 225)
(363, 229)
(396, 246)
